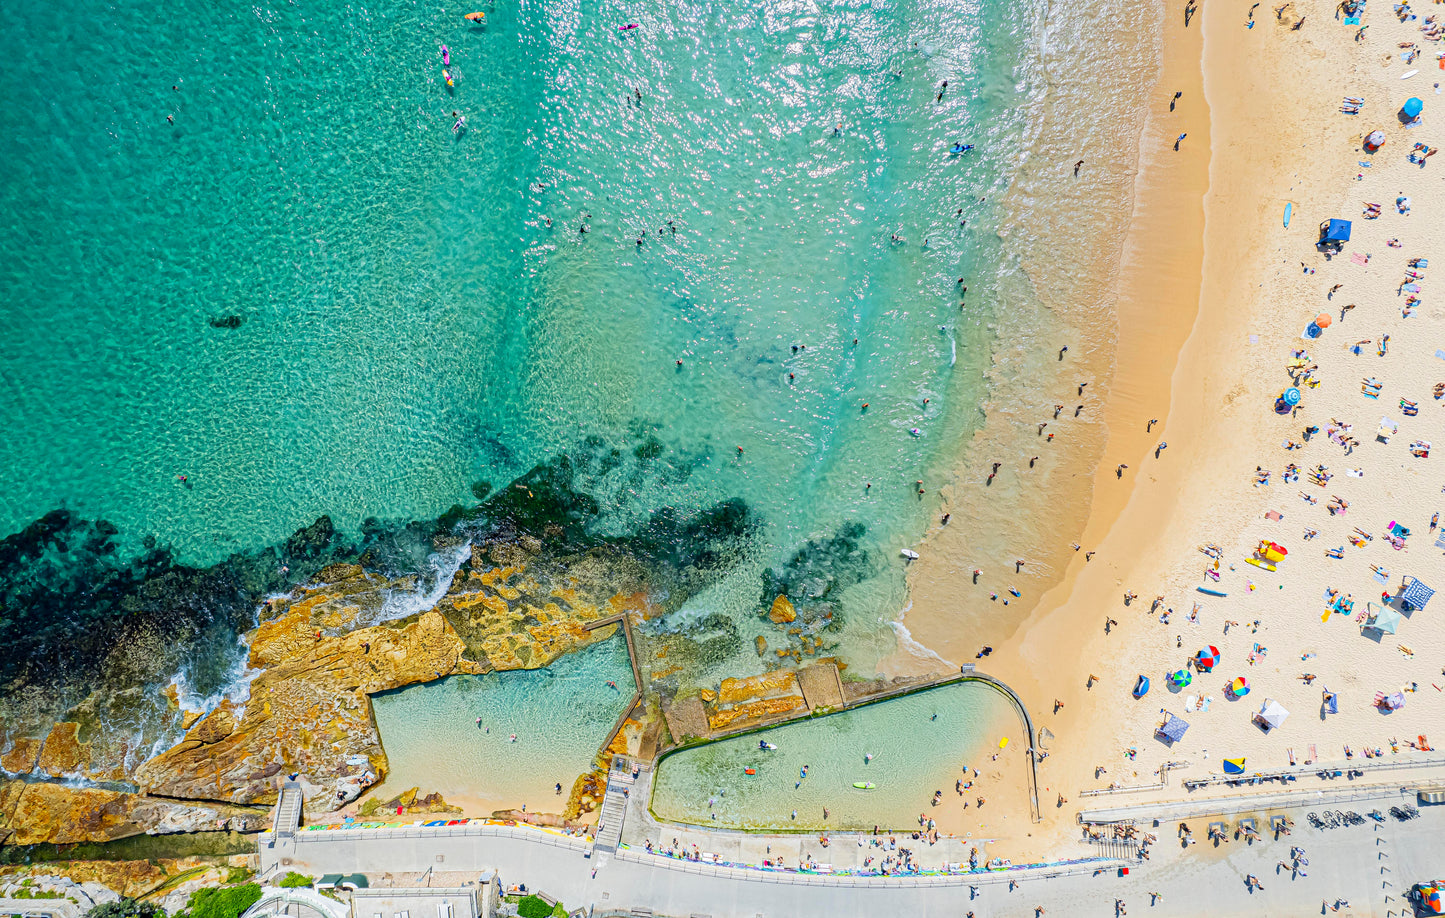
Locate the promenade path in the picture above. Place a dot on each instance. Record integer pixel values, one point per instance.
(1370, 865)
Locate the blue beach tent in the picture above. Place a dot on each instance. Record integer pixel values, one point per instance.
(1416, 594)
(1333, 230)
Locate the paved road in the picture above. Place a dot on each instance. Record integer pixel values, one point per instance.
(1363, 864)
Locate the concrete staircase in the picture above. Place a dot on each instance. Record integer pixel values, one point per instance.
(614, 808)
(288, 811)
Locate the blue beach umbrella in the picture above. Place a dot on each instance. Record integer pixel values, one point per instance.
(1291, 396)
(1412, 107)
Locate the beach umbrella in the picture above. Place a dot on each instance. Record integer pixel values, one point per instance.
(1206, 659)
(1412, 107)
(1323, 320)
(1374, 140)
(1239, 687)
(1385, 621)
(1291, 396)
(1181, 678)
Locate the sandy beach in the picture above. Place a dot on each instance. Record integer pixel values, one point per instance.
(1211, 304)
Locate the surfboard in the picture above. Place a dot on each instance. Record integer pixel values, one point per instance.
(1288, 212)
(1266, 565)
(864, 785)
(1208, 592)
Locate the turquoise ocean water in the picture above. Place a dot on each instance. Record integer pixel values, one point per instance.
(311, 295)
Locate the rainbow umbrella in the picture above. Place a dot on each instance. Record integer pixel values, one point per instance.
(1206, 659)
(1181, 678)
(1239, 687)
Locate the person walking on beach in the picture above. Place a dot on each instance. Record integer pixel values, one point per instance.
(1160, 448)
(1077, 166)
(1180, 139)
(1174, 100)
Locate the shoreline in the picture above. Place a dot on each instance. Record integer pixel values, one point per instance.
(1164, 246)
(1123, 362)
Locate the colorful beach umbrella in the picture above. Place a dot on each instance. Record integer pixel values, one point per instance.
(1206, 659)
(1181, 678)
(1239, 687)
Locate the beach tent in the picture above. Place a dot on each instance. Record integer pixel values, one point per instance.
(1271, 715)
(1385, 621)
(1234, 766)
(1415, 594)
(1334, 230)
(1206, 659)
(1173, 728)
(1412, 108)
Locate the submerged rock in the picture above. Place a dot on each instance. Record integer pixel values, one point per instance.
(782, 611)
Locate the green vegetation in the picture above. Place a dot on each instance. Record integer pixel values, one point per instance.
(294, 880)
(221, 902)
(26, 893)
(237, 875)
(536, 907)
(126, 908)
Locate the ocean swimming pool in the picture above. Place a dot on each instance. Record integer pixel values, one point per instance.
(560, 716)
(918, 743)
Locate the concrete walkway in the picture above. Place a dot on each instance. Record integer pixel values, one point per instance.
(1370, 865)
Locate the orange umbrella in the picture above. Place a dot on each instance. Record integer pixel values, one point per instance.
(1323, 320)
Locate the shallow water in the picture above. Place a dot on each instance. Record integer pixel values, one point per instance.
(454, 735)
(918, 744)
(410, 324)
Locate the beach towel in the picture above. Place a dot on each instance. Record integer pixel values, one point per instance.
(1359, 259)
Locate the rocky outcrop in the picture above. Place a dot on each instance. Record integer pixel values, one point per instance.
(86, 895)
(62, 753)
(21, 757)
(60, 814)
(756, 699)
(126, 878)
(308, 712)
